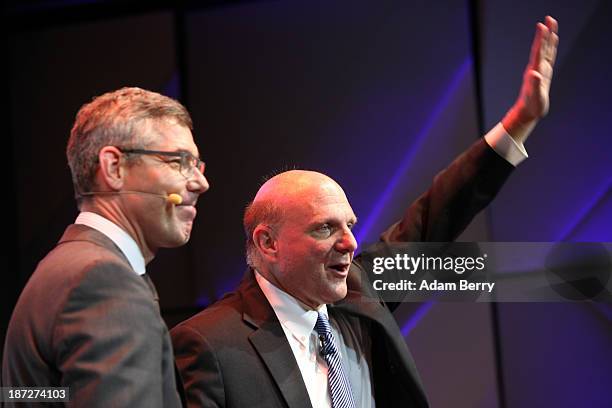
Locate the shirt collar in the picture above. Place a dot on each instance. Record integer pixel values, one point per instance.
(122, 239)
(298, 318)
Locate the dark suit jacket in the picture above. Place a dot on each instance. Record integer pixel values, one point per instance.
(87, 321)
(235, 354)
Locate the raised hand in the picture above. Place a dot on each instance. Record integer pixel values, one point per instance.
(533, 101)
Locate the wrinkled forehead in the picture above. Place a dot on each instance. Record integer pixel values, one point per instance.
(325, 202)
(169, 134)
(327, 191)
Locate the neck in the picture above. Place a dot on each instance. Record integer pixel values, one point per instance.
(109, 209)
(269, 276)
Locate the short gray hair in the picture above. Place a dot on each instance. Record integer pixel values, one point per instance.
(110, 120)
(259, 212)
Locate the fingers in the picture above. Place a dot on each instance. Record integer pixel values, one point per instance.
(552, 24)
(551, 53)
(537, 47)
(544, 47)
(553, 39)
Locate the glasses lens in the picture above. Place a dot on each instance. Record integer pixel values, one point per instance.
(189, 164)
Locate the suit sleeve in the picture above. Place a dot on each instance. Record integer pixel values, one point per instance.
(109, 341)
(199, 368)
(456, 195)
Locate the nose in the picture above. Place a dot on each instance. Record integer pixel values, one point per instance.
(346, 243)
(198, 183)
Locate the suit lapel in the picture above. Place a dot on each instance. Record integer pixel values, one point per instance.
(357, 304)
(268, 339)
(80, 232)
(362, 304)
(361, 301)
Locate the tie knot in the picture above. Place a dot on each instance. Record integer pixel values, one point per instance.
(326, 337)
(322, 325)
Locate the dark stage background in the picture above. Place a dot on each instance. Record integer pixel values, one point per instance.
(379, 95)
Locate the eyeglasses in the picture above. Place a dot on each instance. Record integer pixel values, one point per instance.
(188, 162)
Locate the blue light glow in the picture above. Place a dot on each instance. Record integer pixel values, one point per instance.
(416, 317)
(364, 228)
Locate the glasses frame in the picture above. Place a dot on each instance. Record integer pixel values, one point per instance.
(189, 163)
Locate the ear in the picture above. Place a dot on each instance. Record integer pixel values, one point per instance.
(266, 243)
(110, 172)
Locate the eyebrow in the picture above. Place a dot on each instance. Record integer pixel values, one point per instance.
(188, 152)
(331, 221)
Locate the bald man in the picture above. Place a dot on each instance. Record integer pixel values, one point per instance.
(268, 343)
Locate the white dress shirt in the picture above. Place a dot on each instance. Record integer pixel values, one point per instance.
(122, 239)
(508, 148)
(298, 321)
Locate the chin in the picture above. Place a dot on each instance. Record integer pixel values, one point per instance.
(184, 235)
(342, 294)
(336, 294)
(177, 241)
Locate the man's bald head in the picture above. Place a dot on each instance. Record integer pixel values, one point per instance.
(299, 236)
(294, 184)
(280, 196)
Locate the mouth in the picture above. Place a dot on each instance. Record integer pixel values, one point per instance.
(188, 199)
(186, 212)
(340, 269)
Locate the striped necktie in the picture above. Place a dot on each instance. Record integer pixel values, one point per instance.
(339, 385)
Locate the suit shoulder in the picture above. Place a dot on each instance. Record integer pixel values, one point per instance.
(216, 321)
(67, 265)
(70, 281)
(72, 262)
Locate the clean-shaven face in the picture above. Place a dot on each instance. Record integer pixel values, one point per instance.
(160, 223)
(315, 242)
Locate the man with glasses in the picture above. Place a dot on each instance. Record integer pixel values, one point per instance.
(88, 318)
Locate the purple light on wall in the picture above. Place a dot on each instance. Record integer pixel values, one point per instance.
(228, 285)
(202, 301)
(457, 78)
(416, 317)
(584, 213)
(224, 286)
(172, 87)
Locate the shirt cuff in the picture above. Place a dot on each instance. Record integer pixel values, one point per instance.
(505, 145)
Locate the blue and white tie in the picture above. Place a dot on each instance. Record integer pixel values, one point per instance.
(339, 385)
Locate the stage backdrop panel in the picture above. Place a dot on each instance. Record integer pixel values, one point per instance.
(555, 354)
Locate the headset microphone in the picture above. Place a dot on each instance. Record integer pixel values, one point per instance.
(175, 199)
